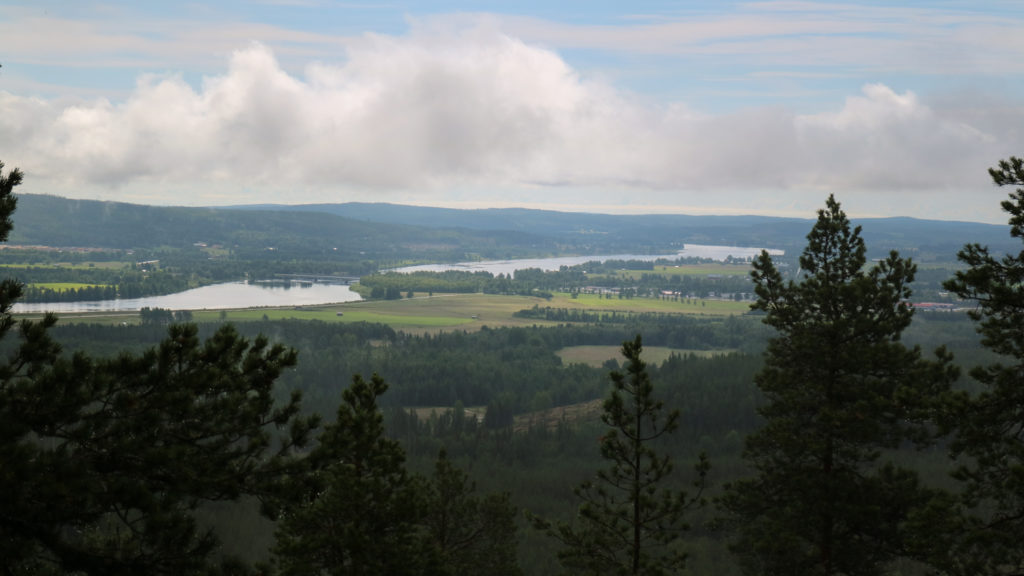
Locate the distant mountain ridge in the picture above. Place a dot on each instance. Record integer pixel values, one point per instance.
(396, 231)
(907, 234)
(55, 221)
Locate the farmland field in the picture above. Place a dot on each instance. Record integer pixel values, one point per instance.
(472, 311)
(420, 314)
(694, 306)
(63, 286)
(442, 312)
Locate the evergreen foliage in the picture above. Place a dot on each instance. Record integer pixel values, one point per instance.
(989, 427)
(472, 535)
(356, 510)
(629, 522)
(104, 462)
(841, 390)
(259, 235)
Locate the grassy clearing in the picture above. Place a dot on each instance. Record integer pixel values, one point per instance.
(589, 411)
(398, 321)
(704, 269)
(106, 318)
(597, 355)
(425, 412)
(63, 286)
(216, 251)
(416, 315)
(594, 302)
(444, 312)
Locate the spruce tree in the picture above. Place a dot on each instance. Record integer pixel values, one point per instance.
(840, 391)
(629, 521)
(989, 427)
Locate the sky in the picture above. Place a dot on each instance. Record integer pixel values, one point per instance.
(702, 107)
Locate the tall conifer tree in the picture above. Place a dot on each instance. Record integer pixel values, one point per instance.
(358, 510)
(840, 389)
(104, 462)
(355, 510)
(990, 427)
(472, 534)
(629, 521)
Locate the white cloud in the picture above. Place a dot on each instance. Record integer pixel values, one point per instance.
(420, 115)
(889, 141)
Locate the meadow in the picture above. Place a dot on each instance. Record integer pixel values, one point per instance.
(693, 306)
(470, 312)
(63, 286)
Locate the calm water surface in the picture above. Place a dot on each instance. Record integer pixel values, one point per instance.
(214, 297)
(243, 295)
(510, 266)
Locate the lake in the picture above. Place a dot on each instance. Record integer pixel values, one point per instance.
(213, 297)
(506, 267)
(260, 295)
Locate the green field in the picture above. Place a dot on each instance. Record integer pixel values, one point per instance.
(63, 286)
(107, 318)
(597, 355)
(425, 412)
(594, 302)
(443, 312)
(421, 314)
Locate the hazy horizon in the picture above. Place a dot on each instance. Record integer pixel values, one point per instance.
(810, 217)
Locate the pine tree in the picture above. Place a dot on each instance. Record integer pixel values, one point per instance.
(358, 511)
(473, 535)
(629, 523)
(103, 462)
(840, 390)
(989, 428)
(355, 510)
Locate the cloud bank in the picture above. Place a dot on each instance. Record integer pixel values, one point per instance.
(478, 110)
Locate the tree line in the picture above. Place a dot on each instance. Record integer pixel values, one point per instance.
(534, 281)
(103, 284)
(516, 365)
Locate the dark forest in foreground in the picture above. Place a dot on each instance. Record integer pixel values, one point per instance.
(837, 437)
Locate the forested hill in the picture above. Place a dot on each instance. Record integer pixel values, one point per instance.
(611, 232)
(389, 231)
(54, 221)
